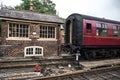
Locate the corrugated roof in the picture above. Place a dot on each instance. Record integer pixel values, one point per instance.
(29, 15)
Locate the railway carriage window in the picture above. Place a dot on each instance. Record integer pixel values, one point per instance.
(101, 29)
(88, 28)
(116, 31)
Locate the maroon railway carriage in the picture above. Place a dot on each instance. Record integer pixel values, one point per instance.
(92, 37)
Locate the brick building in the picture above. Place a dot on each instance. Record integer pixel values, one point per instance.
(28, 33)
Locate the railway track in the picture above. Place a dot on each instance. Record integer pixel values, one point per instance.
(57, 69)
(30, 62)
(109, 73)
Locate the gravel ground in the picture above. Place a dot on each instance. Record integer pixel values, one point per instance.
(29, 72)
(14, 71)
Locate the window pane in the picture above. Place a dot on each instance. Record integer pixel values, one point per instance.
(18, 30)
(29, 51)
(33, 51)
(47, 31)
(88, 28)
(116, 31)
(101, 29)
(38, 50)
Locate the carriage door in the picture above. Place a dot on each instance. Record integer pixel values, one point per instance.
(88, 32)
(70, 33)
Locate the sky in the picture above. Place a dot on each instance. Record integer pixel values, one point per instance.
(109, 9)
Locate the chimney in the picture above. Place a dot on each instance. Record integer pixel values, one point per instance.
(31, 6)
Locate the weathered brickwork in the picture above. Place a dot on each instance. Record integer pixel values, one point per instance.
(4, 32)
(49, 48)
(15, 48)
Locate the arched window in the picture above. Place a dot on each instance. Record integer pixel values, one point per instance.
(33, 51)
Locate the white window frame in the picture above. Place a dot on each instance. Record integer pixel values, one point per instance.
(34, 47)
(46, 38)
(18, 38)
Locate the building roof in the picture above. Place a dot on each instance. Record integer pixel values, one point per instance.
(29, 15)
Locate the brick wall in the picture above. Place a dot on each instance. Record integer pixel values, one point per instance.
(49, 48)
(16, 47)
(4, 29)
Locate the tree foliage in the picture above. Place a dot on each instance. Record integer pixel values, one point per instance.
(42, 6)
